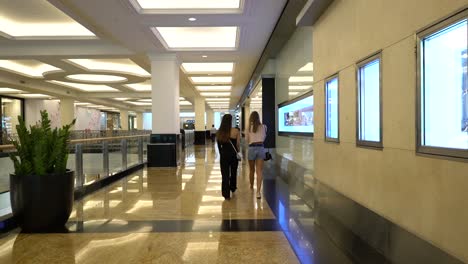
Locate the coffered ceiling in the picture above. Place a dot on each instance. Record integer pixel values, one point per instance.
(97, 52)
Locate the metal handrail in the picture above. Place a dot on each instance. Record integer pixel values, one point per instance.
(78, 141)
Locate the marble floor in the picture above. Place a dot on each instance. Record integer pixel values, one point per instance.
(163, 216)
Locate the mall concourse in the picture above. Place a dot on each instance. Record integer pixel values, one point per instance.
(362, 105)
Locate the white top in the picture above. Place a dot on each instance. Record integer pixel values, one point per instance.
(259, 136)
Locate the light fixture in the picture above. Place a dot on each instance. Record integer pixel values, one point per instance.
(299, 87)
(81, 104)
(197, 38)
(144, 86)
(204, 56)
(145, 100)
(205, 67)
(185, 103)
(215, 93)
(293, 93)
(217, 99)
(116, 65)
(301, 79)
(86, 87)
(39, 20)
(192, 19)
(96, 78)
(9, 90)
(211, 79)
(189, 4)
(30, 68)
(213, 88)
(140, 103)
(121, 99)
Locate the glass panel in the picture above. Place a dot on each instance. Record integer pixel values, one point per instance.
(369, 101)
(132, 152)
(6, 166)
(145, 148)
(93, 168)
(332, 108)
(115, 156)
(444, 92)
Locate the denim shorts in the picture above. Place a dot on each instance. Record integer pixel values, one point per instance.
(256, 153)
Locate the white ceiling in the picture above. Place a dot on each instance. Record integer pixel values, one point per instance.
(124, 37)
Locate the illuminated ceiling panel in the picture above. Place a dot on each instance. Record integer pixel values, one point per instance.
(38, 20)
(140, 87)
(213, 88)
(198, 38)
(217, 99)
(86, 87)
(215, 93)
(309, 67)
(189, 4)
(30, 68)
(96, 78)
(9, 90)
(223, 79)
(115, 65)
(35, 95)
(208, 67)
(301, 79)
(299, 87)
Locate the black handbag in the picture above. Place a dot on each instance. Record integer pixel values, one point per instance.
(268, 156)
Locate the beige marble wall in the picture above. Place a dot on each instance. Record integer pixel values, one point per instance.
(425, 195)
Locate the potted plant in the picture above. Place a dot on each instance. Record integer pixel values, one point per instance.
(41, 188)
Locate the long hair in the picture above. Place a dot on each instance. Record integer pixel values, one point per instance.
(224, 131)
(254, 121)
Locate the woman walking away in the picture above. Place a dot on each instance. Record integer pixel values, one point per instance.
(255, 136)
(228, 145)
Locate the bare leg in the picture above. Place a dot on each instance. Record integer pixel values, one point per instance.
(251, 172)
(259, 170)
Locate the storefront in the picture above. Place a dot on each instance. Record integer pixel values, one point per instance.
(10, 109)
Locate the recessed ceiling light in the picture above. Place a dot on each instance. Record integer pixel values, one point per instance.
(86, 87)
(39, 19)
(96, 78)
(79, 103)
(293, 93)
(204, 67)
(116, 65)
(189, 4)
(299, 87)
(204, 56)
(198, 38)
(145, 100)
(217, 99)
(121, 99)
(185, 103)
(144, 86)
(213, 88)
(192, 19)
(301, 79)
(215, 79)
(215, 94)
(140, 103)
(9, 90)
(30, 68)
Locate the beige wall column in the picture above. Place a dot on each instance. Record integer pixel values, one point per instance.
(123, 119)
(209, 118)
(200, 130)
(67, 111)
(139, 121)
(246, 117)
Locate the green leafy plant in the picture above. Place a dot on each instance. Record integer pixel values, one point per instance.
(41, 150)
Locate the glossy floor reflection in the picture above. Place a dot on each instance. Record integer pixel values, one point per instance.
(162, 216)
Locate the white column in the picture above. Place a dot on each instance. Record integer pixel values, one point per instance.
(139, 121)
(246, 117)
(165, 93)
(123, 119)
(209, 118)
(67, 111)
(199, 114)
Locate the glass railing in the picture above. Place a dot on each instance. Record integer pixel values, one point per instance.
(91, 158)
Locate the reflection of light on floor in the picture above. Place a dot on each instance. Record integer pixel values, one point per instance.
(7, 247)
(198, 249)
(214, 181)
(87, 253)
(118, 189)
(187, 176)
(183, 186)
(208, 209)
(114, 203)
(138, 205)
(133, 190)
(93, 204)
(211, 198)
(213, 188)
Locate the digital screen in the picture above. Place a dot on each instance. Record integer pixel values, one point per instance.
(297, 117)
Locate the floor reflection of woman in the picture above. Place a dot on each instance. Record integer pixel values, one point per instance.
(228, 144)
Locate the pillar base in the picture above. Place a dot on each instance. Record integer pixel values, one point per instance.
(163, 150)
(200, 138)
